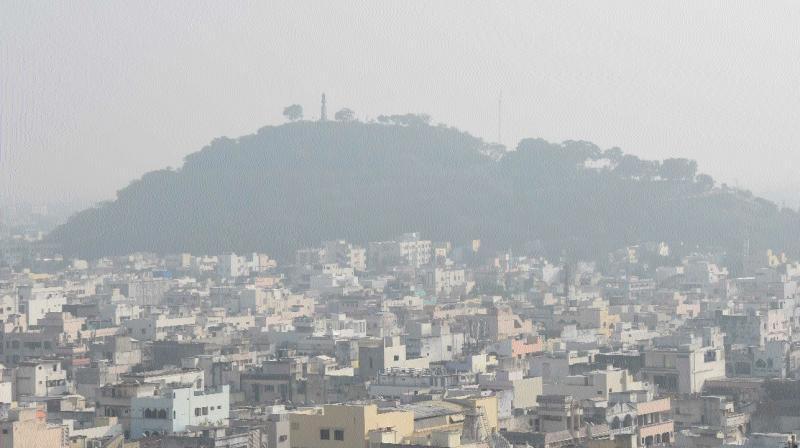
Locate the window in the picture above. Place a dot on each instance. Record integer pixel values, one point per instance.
(397, 357)
(205, 410)
(710, 356)
(269, 388)
(338, 434)
(283, 438)
(325, 434)
(197, 412)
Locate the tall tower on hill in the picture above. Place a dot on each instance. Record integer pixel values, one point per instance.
(323, 113)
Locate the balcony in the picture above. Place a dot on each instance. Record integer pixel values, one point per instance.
(619, 431)
(654, 429)
(735, 420)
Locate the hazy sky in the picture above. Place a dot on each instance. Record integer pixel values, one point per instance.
(94, 94)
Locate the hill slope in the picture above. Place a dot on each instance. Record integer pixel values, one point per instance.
(294, 185)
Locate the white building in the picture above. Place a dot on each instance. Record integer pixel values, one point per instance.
(596, 384)
(683, 362)
(44, 378)
(345, 254)
(435, 342)
(36, 302)
(230, 265)
(176, 408)
(408, 250)
(443, 280)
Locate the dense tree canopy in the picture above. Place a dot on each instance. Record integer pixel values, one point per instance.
(294, 185)
(345, 115)
(293, 112)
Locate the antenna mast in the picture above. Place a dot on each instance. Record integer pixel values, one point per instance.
(500, 117)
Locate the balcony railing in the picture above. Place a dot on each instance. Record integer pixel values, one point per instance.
(626, 430)
(656, 428)
(736, 419)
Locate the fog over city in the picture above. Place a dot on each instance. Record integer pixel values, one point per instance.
(399, 224)
(95, 94)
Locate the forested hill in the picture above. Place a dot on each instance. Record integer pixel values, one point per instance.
(297, 184)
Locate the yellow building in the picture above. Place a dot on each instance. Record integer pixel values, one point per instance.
(488, 405)
(473, 417)
(27, 428)
(596, 317)
(346, 425)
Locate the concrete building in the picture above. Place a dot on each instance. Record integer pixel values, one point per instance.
(406, 383)
(115, 400)
(275, 380)
(344, 254)
(36, 302)
(715, 412)
(595, 384)
(557, 413)
(443, 281)
(409, 250)
(347, 425)
(682, 363)
(522, 392)
(41, 378)
(433, 341)
(143, 291)
(28, 428)
(174, 409)
(375, 355)
(502, 323)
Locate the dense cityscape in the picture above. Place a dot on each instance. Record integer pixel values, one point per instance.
(382, 224)
(400, 343)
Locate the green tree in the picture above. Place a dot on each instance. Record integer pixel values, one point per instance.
(678, 169)
(406, 119)
(705, 182)
(293, 112)
(345, 115)
(613, 154)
